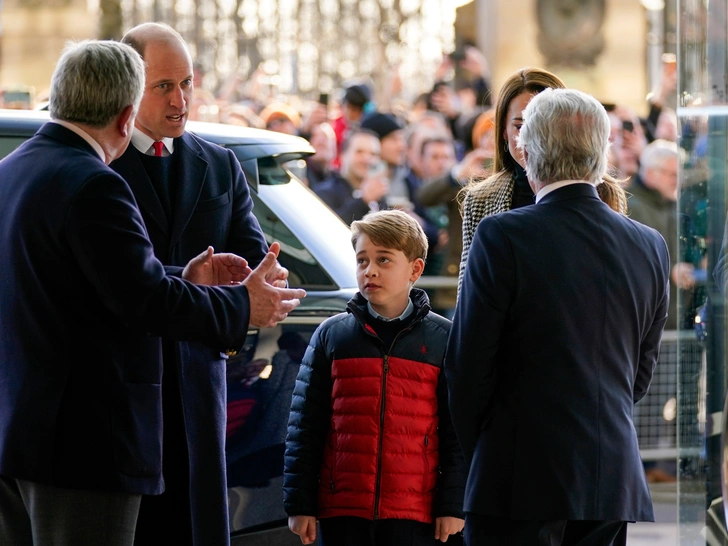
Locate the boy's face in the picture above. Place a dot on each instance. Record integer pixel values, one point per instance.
(385, 276)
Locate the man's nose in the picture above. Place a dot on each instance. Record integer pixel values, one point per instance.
(178, 98)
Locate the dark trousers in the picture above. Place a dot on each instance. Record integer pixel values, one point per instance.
(483, 530)
(38, 514)
(351, 531)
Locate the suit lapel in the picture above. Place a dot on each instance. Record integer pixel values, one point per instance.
(130, 167)
(191, 171)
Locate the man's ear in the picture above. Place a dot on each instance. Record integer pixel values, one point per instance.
(418, 266)
(125, 121)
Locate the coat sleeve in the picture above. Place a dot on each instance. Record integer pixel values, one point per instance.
(469, 225)
(478, 325)
(650, 346)
(106, 234)
(439, 191)
(453, 472)
(308, 425)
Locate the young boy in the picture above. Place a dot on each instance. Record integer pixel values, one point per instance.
(371, 451)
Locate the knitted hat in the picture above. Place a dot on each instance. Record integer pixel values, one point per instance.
(484, 123)
(280, 110)
(381, 124)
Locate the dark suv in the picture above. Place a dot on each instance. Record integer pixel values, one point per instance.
(316, 249)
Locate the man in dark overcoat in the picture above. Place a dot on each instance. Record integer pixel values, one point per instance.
(555, 338)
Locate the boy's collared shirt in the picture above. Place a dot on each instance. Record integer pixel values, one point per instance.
(407, 312)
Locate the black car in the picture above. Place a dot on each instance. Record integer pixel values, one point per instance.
(316, 249)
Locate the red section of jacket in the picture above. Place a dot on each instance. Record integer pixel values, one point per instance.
(381, 455)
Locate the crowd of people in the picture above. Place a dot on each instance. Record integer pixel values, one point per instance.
(509, 425)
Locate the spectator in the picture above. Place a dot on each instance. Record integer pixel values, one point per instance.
(628, 140)
(319, 165)
(653, 202)
(355, 103)
(362, 184)
(281, 117)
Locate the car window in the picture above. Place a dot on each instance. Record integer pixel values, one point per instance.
(9, 143)
(303, 269)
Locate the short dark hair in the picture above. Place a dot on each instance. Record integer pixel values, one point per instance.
(347, 141)
(435, 139)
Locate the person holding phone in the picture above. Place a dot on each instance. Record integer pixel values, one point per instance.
(361, 185)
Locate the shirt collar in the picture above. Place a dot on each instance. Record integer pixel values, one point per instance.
(407, 312)
(84, 135)
(548, 188)
(143, 143)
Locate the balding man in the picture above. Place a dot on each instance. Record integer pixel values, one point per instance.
(82, 298)
(192, 194)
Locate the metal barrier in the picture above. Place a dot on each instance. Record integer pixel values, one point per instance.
(656, 416)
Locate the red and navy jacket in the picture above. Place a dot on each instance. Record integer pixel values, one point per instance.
(370, 434)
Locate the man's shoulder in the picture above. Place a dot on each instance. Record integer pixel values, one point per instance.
(205, 148)
(334, 183)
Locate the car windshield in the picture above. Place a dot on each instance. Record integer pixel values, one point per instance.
(307, 238)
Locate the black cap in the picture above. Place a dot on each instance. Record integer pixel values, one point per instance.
(381, 124)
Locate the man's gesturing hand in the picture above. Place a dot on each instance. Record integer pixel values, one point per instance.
(277, 275)
(269, 304)
(216, 269)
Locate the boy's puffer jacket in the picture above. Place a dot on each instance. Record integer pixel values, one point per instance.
(338, 462)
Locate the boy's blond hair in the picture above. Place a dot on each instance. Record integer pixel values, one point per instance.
(392, 229)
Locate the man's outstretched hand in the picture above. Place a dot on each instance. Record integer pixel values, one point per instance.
(270, 304)
(215, 269)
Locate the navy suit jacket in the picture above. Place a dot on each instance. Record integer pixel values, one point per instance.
(212, 206)
(82, 301)
(555, 337)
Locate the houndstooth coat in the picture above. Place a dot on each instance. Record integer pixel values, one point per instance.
(485, 199)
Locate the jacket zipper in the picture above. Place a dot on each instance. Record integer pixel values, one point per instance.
(377, 490)
(427, 464)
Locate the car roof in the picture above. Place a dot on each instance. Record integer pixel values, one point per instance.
(256, 142)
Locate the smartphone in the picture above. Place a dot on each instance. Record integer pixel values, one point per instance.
(628, 126)
(377, 169)
(457, 55)
(323, 99)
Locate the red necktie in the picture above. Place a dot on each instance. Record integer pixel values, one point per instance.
(158, 147)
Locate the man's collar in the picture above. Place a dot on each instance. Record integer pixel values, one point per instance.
(143, 143)
(548, 188)
(84, 135)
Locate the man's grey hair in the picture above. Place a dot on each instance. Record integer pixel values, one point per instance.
(94, 81)
(655, 154)
(566, 135)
